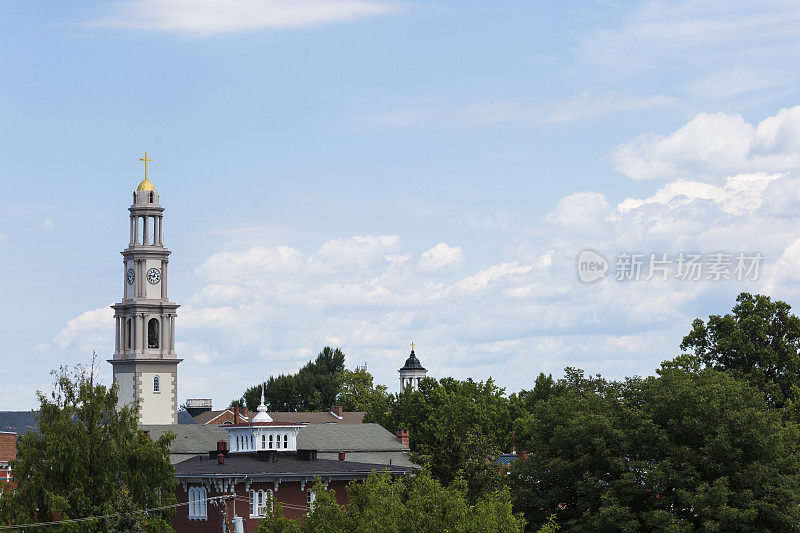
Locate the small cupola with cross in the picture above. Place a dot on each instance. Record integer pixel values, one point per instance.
(412, 372)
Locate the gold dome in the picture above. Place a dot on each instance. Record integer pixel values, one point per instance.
(146, 185)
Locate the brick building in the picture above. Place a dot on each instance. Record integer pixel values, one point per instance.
(260, 462)
(8, 452)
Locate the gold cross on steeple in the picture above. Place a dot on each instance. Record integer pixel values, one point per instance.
(145, 164)
(412, 346)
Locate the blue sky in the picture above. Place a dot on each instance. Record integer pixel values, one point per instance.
(365, 173)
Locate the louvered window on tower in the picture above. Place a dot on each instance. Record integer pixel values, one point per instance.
(152, 333)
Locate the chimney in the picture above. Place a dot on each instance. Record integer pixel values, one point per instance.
(235, 415)
(336, 411)
(403, 436)
(220, 459)
(341, 456)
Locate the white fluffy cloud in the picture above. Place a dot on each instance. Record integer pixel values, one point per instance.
(713, 145)
(440, 256)
(209, 17)
(90, 330)
(260, 310)
(264, 310)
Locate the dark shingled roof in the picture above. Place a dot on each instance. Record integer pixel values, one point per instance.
(287, 465)
(19, 422)
(412, 363)
(185, 418)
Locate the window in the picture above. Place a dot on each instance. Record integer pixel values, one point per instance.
(198, 503)
(152, 196)
(156, 384)
(286, 441)
(259, 500)
(270, 441)
(310, 497)
(263, 442)
(128, 334)
(152, 333)
(252, 444)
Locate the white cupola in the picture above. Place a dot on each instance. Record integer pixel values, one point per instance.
(262, 434)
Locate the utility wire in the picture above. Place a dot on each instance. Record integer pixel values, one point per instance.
(114, 515)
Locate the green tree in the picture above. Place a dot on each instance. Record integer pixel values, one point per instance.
(688, 450)
(358, 393)
(758, 342)
(315, 387)
(88, 458)
(456, 429)
(381, 503)
(448, 405)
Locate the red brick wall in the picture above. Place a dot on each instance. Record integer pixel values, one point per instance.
(8, 446)
(226, 417)
(288, 493)
(8, 452)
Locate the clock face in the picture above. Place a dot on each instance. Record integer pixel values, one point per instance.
(154, 275)
(131, 276)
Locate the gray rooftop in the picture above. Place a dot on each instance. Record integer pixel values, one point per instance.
(19, 422)
(348, 438)
(369, 443)
(189, 438)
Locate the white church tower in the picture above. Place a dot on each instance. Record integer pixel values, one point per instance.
(145, 363)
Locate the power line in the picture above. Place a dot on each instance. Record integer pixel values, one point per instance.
(292, 506)
(114, 515)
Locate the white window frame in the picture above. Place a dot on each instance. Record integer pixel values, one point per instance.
(310, 498)
(258, 502)
(156, 384)
(198, 503)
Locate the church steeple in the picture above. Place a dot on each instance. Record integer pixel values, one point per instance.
(145, 362)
